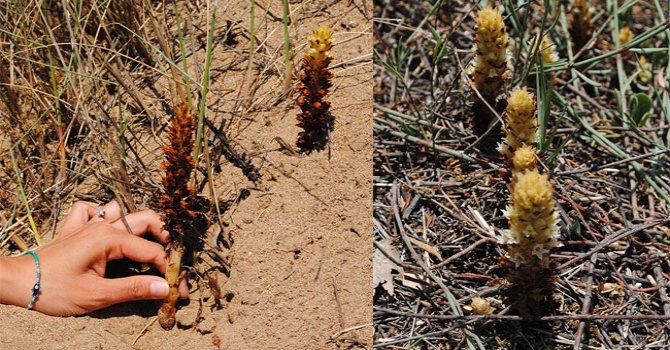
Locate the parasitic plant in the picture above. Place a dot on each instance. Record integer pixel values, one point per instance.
(174, 204)
(625, 35)
(580, 22)
(546, 53)
(524, 159)
(549, 56)
(531, 236)
(481, 306)
(489, 71)
(521, 122)
(531, 214)
(315, 80)
(645, 68)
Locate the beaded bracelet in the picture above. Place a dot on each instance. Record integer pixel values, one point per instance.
(36, 287)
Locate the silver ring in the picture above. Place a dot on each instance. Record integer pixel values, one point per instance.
(100, 213)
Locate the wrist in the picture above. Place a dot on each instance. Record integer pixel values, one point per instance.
(16, 280)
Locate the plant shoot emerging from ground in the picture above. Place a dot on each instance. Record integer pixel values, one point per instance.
(315, 80)
(531, 236)
(174, 203)
(531, 215)
(581, 23)
(625, 35)
(489, 72)
(546, 53)
(521, 122)
(524, 159)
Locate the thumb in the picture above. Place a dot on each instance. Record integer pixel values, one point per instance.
(136, 288)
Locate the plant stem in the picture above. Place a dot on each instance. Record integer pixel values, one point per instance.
(287, 47)
(182, 48)
(205, 86)
(166, 313)
(24, 199)
(59, 120)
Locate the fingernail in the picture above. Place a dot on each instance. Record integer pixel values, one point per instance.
(159, 289)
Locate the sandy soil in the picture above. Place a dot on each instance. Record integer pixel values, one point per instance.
(301, 257)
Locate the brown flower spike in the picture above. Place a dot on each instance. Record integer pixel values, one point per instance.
(174, 203)
(315, 80)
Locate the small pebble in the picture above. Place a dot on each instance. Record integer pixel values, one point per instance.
(206, 326)
(186, 317)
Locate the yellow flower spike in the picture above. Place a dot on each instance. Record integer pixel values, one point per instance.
(481, 306)
(548, 54)
(580, 22)
(531, 213)
(521, 123)
(531, 236)
(320, 43)
(645, 75)
(524, 159)
(532, 221)
(625, 35)
(489, 72)
(546, 51)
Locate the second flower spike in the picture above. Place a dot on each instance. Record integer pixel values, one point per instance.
(315, 81)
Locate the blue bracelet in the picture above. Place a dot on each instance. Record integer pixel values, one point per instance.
(36, 287)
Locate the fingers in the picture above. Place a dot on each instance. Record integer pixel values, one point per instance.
(83, 212)
(80, 213)
(112, 210)
(142, 222)
(122, 245)
(118, 290)
(142, 250)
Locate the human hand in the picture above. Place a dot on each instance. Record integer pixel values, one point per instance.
(73, 264)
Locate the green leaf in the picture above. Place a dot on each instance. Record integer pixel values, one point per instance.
(576, 228)
(440, 44)
(586, 79)
(640, 109)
